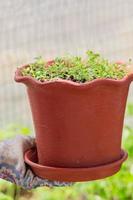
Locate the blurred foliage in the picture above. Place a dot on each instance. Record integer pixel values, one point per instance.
(129, 109)
(117, 187)
(12, 130)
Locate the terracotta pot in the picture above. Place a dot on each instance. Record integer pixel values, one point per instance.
(77, 125)
(73, 174)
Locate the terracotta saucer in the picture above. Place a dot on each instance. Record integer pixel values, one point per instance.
(73, 174)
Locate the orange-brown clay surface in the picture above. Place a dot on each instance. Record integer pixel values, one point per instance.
(77, 125)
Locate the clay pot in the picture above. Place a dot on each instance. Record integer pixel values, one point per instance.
(68, 174)
(78, 126)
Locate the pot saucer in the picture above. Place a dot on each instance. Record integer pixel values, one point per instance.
(73, 174)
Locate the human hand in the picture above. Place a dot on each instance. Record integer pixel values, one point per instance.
(14, 169)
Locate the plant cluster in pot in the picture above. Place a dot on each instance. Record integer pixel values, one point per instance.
(78, 108)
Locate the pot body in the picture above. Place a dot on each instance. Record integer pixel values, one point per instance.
(78, 126)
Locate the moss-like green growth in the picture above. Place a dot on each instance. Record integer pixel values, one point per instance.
(76, 69)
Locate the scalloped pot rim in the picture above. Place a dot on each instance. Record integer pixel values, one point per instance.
(28, 79)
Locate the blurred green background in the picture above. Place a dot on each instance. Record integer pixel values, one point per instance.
(117, 187)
